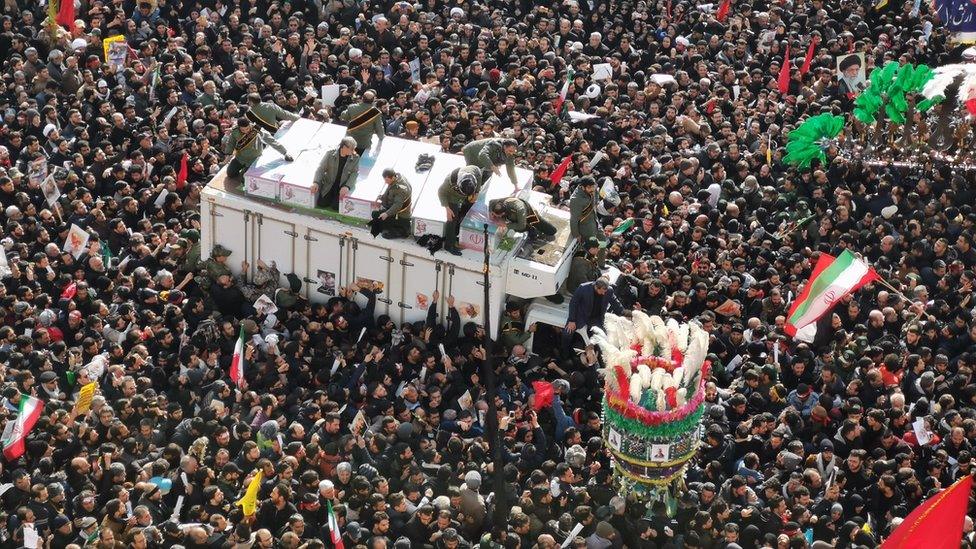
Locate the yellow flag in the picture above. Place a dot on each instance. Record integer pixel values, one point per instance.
(249, 503)
(769, 151)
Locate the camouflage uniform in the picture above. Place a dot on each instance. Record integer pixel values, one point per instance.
(395, 203)
(214, 269)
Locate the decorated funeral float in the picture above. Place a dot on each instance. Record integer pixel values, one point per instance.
(908, 116)
(653, 402)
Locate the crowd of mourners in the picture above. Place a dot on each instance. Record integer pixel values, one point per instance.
(803, 444)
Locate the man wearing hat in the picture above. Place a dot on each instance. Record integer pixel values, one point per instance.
(49, 388)
(363, 121)
(457, 194)
(216, 266)
(488, 154)
(393, 217)
(585, 266)
(336, 174)
(62, 531)
(246, 142)
(265, 114)
(518, 215)
(87, 532)
(192, 254)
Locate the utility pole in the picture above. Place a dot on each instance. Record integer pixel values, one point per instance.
(500, 514)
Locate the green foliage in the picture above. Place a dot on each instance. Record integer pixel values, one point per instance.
(809, 140)
(888, 88)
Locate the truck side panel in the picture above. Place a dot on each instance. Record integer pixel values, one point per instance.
(325, 265)
(231, 230)
(275, 241)
(421, 276)
(371, 261)
(468, 289)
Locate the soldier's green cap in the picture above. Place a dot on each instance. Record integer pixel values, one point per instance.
(220, 251)
(592, 242)
(190, 234)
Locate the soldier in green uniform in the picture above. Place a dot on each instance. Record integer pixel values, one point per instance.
(518, 215)
(512, 329)
(215, 267)
(246, 142)
(584, 266)
(266, 114)
(193, 253)
(393, 217)
(336, 174)
(457, 194)
(489, 154)
(582, 214)
(363, 121)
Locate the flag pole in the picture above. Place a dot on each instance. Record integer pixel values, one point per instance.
(500, 513)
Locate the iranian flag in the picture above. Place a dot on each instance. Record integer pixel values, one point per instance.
(558, 103)
(237, 363)
(14, 435)
(334, 533)
(832, 279)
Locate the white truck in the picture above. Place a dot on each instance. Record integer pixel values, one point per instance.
(268, 217)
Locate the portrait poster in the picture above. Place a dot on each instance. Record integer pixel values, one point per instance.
(327, 283)
(851, 73)
(660, 453)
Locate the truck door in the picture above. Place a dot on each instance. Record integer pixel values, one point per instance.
(421, 276)
(275, 242)
(326, 269)
(231, 229)
(373, 263)
(468, 289)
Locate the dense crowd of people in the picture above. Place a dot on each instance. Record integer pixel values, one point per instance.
(804, 444)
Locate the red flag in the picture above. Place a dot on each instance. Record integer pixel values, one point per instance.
(181, 175)
(69, 291)
(543, 395)
(811, 49)
(936, 523)
(723, 11)
(710, 106)
(560, 171)
(784, 72)
(66, 14)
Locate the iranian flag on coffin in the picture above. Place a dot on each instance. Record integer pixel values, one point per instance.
(13, 436)
(832, 279)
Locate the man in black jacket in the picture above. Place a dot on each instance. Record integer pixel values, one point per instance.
(587, 308)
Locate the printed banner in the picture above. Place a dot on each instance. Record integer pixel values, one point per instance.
(116, 50)
(959, 17)
(85, 396)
